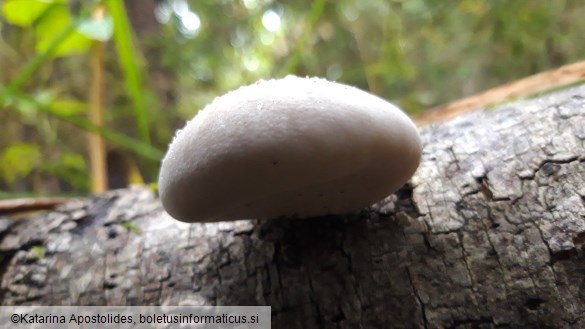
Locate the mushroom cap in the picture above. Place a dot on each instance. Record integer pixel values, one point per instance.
(289, 147)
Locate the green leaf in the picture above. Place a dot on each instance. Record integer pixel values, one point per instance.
(68, 107)
(57, 20)
(23, 13)
(130, 58)
(100, 30)
(25, 109)
(71, 168)
(73, 161)
(143, 149)
(19, 160)
(61, 106)
(316, 10)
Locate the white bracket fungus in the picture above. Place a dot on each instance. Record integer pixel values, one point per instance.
(289, 147)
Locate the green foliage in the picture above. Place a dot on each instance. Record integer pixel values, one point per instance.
(315, 14)
(130, 62)
(49, 18)
(47, 106)
(18, 161)
(59, 33)
(56, 20)
(153, 187)
(24, 13)
(71, 168)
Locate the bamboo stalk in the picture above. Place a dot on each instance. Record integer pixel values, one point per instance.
(97, 144)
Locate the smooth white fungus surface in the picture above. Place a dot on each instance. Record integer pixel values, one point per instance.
(289, 147)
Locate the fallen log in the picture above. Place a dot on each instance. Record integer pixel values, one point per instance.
(488, 233)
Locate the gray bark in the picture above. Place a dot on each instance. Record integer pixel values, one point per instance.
(488, 234)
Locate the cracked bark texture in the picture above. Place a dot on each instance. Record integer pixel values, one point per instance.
(489, 233)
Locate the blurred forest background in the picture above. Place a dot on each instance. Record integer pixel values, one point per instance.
(76, 73)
